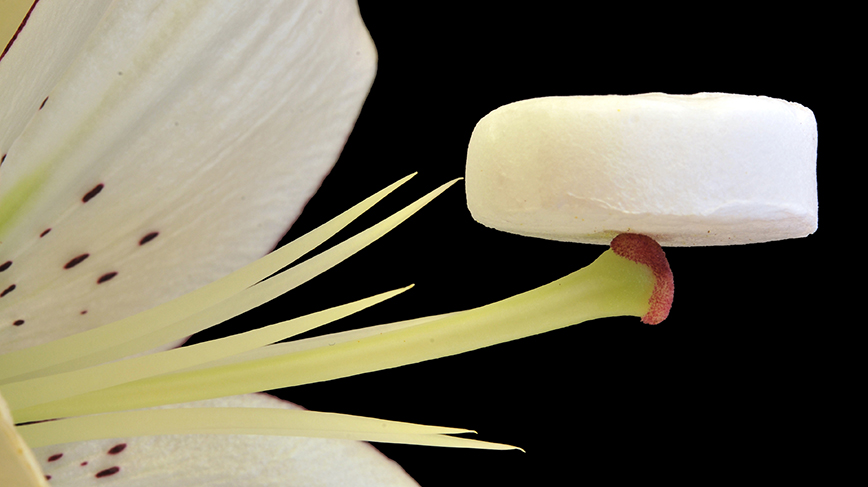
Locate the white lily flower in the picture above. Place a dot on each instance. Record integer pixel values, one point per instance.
(617, 375)
(146, 73)
(228, 113)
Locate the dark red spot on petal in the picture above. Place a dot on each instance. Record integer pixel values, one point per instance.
(7, 290)
(105, 277)
(90, 194)
(117, 448)
(18, 322)
(44, 232)
(48, 477)
(83, 312)
(107, 472)
(5, 265)
(74, 262)
(2, 158)
(55, 457)
(82, 464)
(43, 103)
(147, 238)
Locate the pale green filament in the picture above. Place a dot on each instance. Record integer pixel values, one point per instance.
(159, 325)
(255, 421)
(236, 300)
(610, 286)
(58, 386)
(49, 386)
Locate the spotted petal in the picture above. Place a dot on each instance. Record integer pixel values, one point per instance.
(220, 460)
(55, 32)
(178, 145)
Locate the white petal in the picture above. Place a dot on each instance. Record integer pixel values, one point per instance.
(222, 460)
(54, 33)
(208, 122)
(17, 463)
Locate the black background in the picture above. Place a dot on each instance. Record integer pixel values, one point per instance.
(723, 389)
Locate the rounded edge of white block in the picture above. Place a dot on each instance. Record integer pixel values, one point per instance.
(686, 170)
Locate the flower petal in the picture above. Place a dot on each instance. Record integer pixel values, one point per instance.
(221, 460)
(180, 145)
(34, 61)
(17, 463)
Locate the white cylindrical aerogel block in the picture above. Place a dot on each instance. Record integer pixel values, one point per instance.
(686, 170)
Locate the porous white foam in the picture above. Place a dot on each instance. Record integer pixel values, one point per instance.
(686, 170)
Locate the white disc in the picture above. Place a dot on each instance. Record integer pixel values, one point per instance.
(686, 170)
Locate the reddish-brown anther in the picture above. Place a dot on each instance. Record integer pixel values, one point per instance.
(645, 250)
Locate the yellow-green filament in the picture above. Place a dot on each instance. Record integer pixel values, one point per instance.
(83, 375)
(58, 386)
(610, 286)
(245, 421)
(157, 326)
(317, 342)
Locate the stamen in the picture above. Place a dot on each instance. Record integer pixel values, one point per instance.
(644, 250)
(107, 342)
(245, 421)
(610, 286)
(29, 393)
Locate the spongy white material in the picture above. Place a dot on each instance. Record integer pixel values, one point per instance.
(686, 170)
